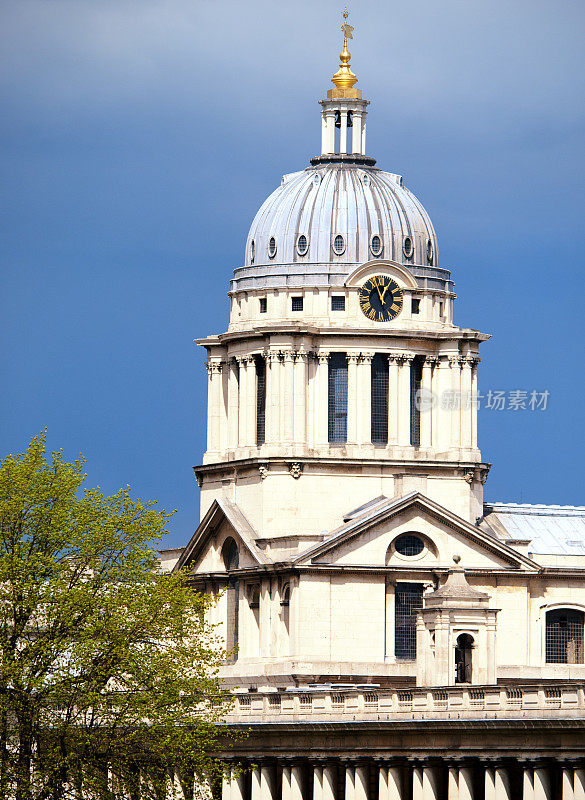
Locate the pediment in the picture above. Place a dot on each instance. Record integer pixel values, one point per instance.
(205, 551)
(368, 538)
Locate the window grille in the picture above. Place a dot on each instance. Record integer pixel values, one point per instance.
(339, 244)
(564, 636)
(302, 245)
(260, 401)
(408, 600)
(415, 382)
(415, 306)
(376, 245)
(409, 545)
(263, 305)
(338, 303)
(408, 248)
(337, 397)
(380, 399)
(272, 247)
(297, 303)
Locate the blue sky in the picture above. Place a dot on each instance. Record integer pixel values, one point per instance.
(138, 140)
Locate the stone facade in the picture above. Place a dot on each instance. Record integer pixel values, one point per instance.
(390, 635)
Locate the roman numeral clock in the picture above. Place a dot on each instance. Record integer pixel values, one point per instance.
(381, 298)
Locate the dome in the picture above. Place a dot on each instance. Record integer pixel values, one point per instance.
(323, 221)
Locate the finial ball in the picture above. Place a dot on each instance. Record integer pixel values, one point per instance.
(456, 558)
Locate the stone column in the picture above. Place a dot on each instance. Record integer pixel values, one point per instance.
(244, 411)
(453, 783)
(329, 782)
(352, 397)
(256, 783)
(444, 398)
(324, 141)
(364, 398)
(417, 784)
(267, 782)
(363, 150)
(296, 782)
(356, 139)
(300, 397)
(542, 789)
(502, 784)
(567, 790)
(272, 397)
(456, 365)
(579, 784)
(322, 399)
(286, 782)
(393, 399)
(317, 782)
(343, 132)
(330, 124)
(265, 607)
(287, 402)
(213, 405)
(361, 782)
(383, 782)
(404, 400)
(466, 402)
(233, 404)
(527, 783)
(349, 782)
(430, 783)
(474, 402)
(394, 783)
(425, 402)
(465, 783)
(233, 785)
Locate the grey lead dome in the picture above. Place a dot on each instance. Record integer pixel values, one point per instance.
(372, 211)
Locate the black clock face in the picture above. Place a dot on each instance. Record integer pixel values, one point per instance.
(381, 298)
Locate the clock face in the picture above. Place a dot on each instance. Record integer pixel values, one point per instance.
(381, 298)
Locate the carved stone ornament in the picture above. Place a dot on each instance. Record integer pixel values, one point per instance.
(469, 476)
(263, 470)
(296, 469)
(483, 475)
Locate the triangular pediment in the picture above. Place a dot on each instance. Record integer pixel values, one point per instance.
(222, 521)
(368, 536)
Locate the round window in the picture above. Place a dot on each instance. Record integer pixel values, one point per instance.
(430, 251)
(409, 545)
(302, 245)
(408, 248)
(376, 245)
(339, 244)
(272, 247)
(252, 251)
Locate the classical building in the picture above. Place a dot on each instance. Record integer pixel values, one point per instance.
(391, 635)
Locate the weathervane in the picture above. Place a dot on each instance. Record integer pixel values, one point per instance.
(344, 79)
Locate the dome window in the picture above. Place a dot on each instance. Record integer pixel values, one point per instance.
(252, 251)
(339, 245)
(407, 246)
(409, 545)
(272, 247)
(376, 245)
(302, 245)
(429, 251)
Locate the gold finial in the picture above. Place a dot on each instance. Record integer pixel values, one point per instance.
(344, 79)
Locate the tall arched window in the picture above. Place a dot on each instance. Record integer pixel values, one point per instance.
(564, 636)
(380, 399)
(463, 658)
(337, 397)
(415, 382)
(231, 560)
(260, 400)
(408, 599)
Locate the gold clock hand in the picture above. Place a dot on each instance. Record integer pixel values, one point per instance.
(379, 295)
(383, 295)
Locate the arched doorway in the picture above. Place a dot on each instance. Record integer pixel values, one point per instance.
(463, 658)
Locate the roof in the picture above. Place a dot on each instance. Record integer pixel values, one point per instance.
(551, 530)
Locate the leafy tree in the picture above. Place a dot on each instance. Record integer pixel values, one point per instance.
(108, 671)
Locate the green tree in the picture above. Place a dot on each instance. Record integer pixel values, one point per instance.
(108, 671)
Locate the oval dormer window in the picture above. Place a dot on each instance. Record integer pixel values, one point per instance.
(430, 251)
(272, 247)
(302, 245)
(408, 248)
(339, 245)
(252, 251)
(376, 245)
(409, 545)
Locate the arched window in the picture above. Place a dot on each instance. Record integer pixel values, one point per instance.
(564, 636)
(260, 400)
(231, 559)
(339, 245)
(252, 251)
(380, 399)
(285, 607)
(337, 398)
(302, 245)
(463, 658)
(408, 600)
(271, 247)
(415, 382)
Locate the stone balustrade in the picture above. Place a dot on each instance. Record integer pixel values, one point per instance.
(374, 704)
